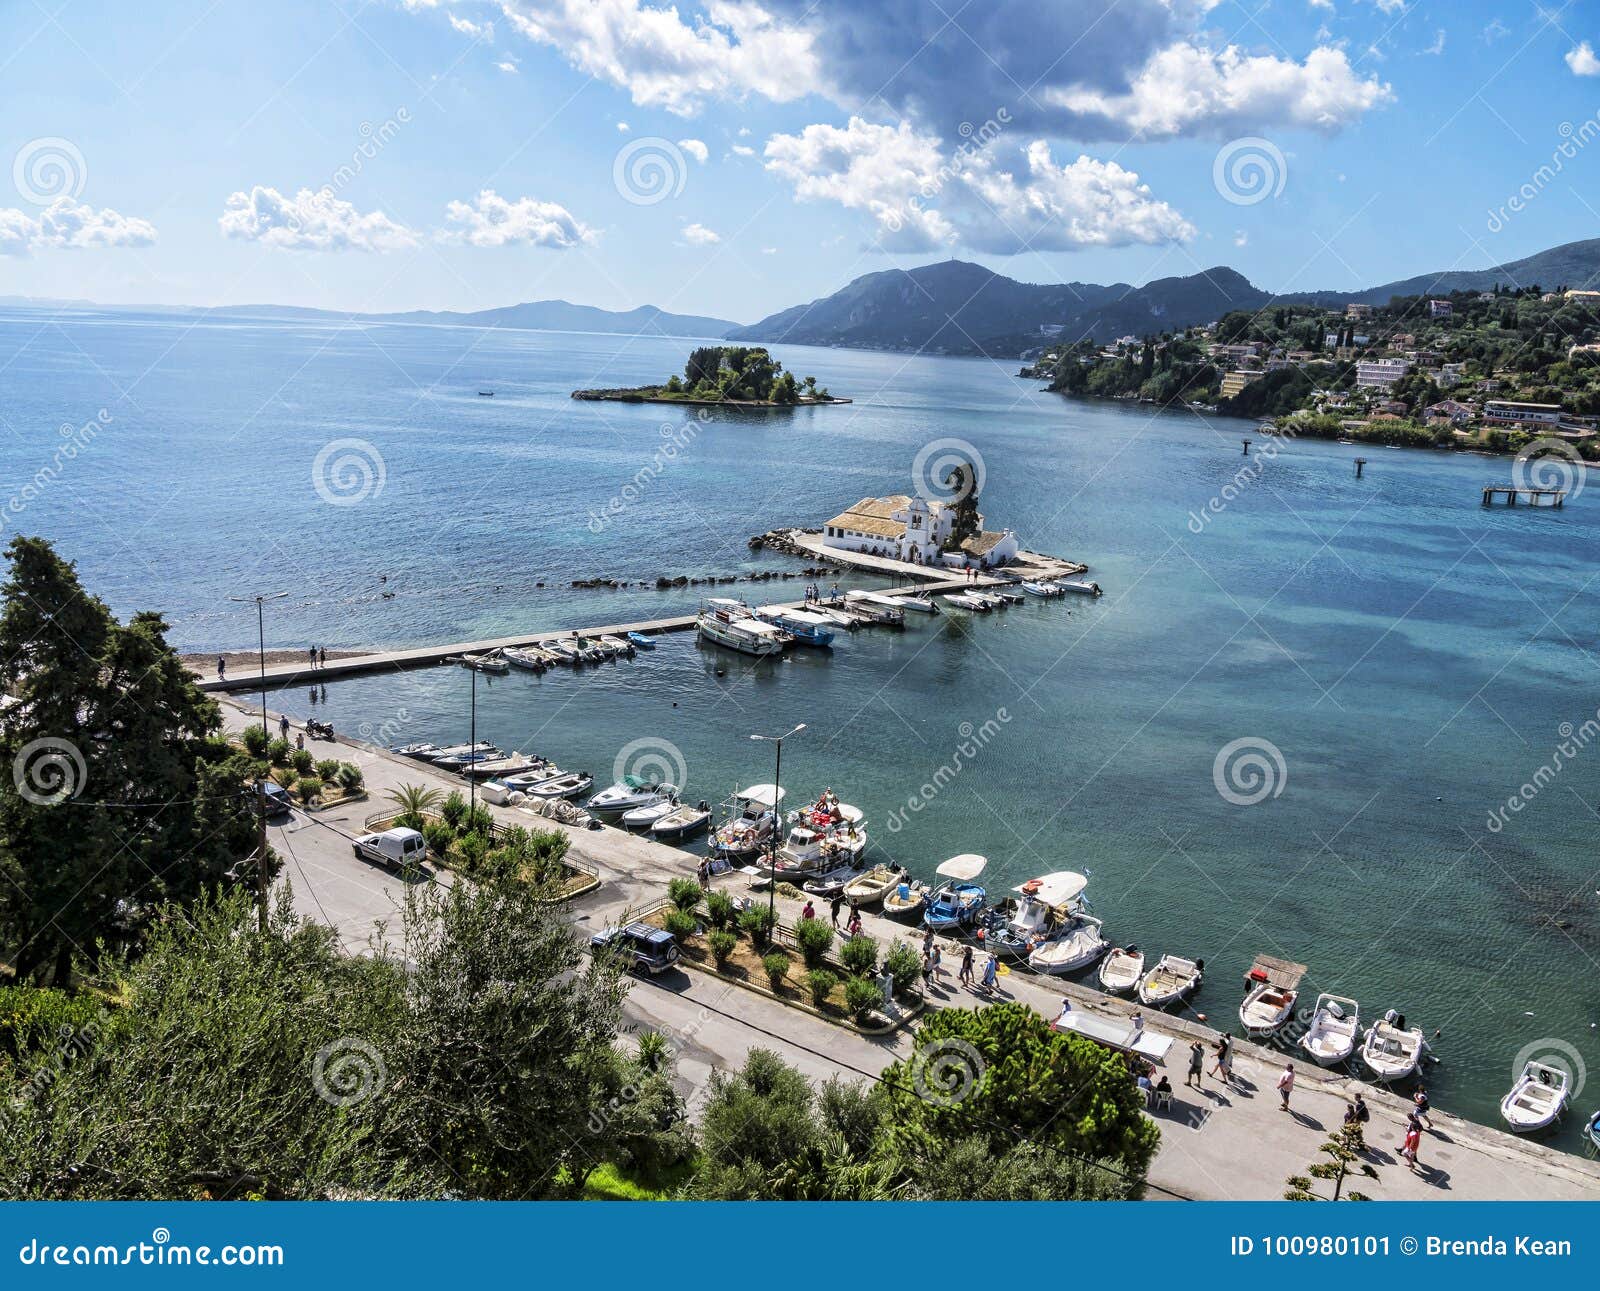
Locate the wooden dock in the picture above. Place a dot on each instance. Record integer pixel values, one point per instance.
(299, 674)
(1536, 497)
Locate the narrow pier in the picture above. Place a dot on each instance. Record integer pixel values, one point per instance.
(1536, 497)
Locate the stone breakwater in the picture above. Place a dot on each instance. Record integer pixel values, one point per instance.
(664, 581)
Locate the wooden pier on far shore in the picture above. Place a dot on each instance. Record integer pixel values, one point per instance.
(1536, 497)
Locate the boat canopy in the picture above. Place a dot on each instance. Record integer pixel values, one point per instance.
(755, 627)
(966, 867)
(874, 598)
(799, 616)
(762, 795)
(1055, 889)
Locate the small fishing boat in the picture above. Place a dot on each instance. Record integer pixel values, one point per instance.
(871, 887)
(484, 663)
(618, 645)
(989, 599)
(422, 752)
(1537, 1099)
(570, 784)
(1331, 1037)
(542, 769)
(1592, 1129)
(1265, 1009)
(645, 816)
(730, 623)
(1046, 590)
(1121, 969)
(1010, 598)
(1080, 586)
(1173, 979)
(566, 650)
(750, 817)
(682, 821)
(486, 394)
(599, 648)
(1076, 944)
(497, 768)
(844, 618)
(905, 899)
(1389, 1051)
(831, 883)
(456, 761)
(807, 628)
(528, 659)
(957, 902)
(628, 793)
(966, 601)
(432, 752)
(813, 848)
(642, 641)
(1035, 914)
(879, 608)
(917, 604)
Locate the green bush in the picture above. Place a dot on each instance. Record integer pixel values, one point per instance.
(719, 908)
(349, 776)
(681, 924)
(480, 820)
(905, 966)
(821, 982)
(438, 836)
(722, 945)
(278, 751)
(255, 741)
(776, 966)
(684, 893)
(40, 1018)
(472, 848)
(757, 923)
(308, 787)
(303, 761)
(328, 769)
(453, 810)
(859, 955)
(815, 940)
(861, 996)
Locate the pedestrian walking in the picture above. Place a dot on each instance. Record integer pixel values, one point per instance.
(222, 668)
(991, 971)
(853, 928)
(964, 976)
(1420, 1098)
(322, 656)
(927, 968)
(1197, 1062)
(834, 906)
(311, 654)
(283, 726)
(703, 872)
(1286, 1086)
(810, 912)
(1411, 1144)
(937, 956)
(1218, 1058)
(927, 941)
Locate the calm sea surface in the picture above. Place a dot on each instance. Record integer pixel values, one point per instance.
(1413, 657)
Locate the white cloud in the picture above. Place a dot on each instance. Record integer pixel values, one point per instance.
(769, 251)
(1582, 60)
(743, 150)
(1438, 42)
(508, 65)
(69, 225)
(1187, 89)
(1495, 30)
(700, 236)
(310, 221)
(696, 149)
(1241, 238)
(491, 221)
(623, 127)
(734, 47)
(1062, 208)
(477, 30)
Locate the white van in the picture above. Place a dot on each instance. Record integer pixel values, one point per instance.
(399, 849)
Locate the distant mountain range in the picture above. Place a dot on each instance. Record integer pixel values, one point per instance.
(954, 307)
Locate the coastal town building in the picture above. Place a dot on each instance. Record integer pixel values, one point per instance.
(1353, 310)
(1439, 309)
(1380, 374)
(1511, 412)
(915, 530)
(1234, 382)
(1450, 373)
(1583, 294)
(1451, 411)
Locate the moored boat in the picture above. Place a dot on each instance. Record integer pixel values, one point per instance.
(646, 815)
(642, 641)
(1391, 1052)
(1076, 944)
(1537, 1099)
(1046, 590)
(873, 885)
(917, 604)
(1271, 988)
(750, 817)
(491, 662)
(1080, 586)
(1173, 979)
(805, 626)
(1592, 1129)
(569, 784)
(957, 902)
(682, 821)
(455, 761)
(619, 645)
(729, 623)
(1036, 914)
(965, 601)
(529, 660)
(1121, 969)
(905, 899)
(628, 793)
(1335, 1027)
(497, 768)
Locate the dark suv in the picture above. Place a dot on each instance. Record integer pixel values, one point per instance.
(646, 949)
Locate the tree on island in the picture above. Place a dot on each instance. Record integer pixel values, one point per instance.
(961, 482)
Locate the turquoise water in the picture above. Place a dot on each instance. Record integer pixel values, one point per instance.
(1411, 655)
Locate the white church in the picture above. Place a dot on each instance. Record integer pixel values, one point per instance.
(915, 530)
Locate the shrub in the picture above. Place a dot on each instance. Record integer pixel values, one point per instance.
(821, 982)
(815, 939)
(719, 908)
(859, 955)
(303, 761)
(453, 809)
(278, 751)
(308, 787)
(349, 776)
(905, 966)
(684, 893)
(722, 944)
(776, 966)
(328, 769)
(681, 924)
(255, 741)
(473, 847)
(757, 923)
(480, 820)
(437, 834)
(861, 996)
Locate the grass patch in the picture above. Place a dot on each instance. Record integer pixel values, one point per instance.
(610, 1182)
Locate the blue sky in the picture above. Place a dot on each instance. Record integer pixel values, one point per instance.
(734, 158)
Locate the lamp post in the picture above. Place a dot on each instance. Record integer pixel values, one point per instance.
(472, 747)
(772, 844)
(261, 598)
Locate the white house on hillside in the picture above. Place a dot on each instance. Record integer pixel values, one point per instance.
(914, 530)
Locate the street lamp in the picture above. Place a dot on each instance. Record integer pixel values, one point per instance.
(261, 639)
(777, 791)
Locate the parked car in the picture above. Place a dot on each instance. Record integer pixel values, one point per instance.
(278, 801)
(399, 849)
(647, 950)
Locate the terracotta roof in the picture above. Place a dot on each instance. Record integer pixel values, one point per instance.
(871, 515)
(983, 543)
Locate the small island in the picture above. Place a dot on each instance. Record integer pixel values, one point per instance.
(744, 376)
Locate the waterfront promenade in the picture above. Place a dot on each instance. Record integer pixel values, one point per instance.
(1216, 1144)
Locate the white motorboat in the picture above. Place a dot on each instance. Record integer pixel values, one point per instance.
(1043, 589)
(541, 769)
(530, 660)
(811, 849)
(491, 662)
(565, 650)
(619, 645)
(966, 601)
(730, 623)
(917, 604)
(1077, 944)
(569, 784)
(873, 885)
(840, 617)
(843, 827)
(422, 752)
(682, 821)
(1331, 1037)
(643, 817)
(877, 607)
(831, 883)
(1036, 914)
(628, 793)
(456, 761)
(432, 753)
(1121, 969)
(1081, 586)
(1537, 1099)
(989, 599)
(1390, 1052)
(1266, 1007)
(751, 816)
(1174, 978)
(497, 768)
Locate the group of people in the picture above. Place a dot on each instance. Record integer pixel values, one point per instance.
(1221, 1062)
(814, 593)
(317, 656)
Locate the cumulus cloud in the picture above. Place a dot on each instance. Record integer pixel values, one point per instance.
(310, 221)
(700, 236)
(696, 149)
(492, 221)
(70, 225)
(1581, 59)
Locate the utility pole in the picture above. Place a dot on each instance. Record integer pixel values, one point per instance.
(472, 748)
(777, 819)
(260, 599)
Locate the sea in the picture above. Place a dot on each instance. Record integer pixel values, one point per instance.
(1348, 720)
